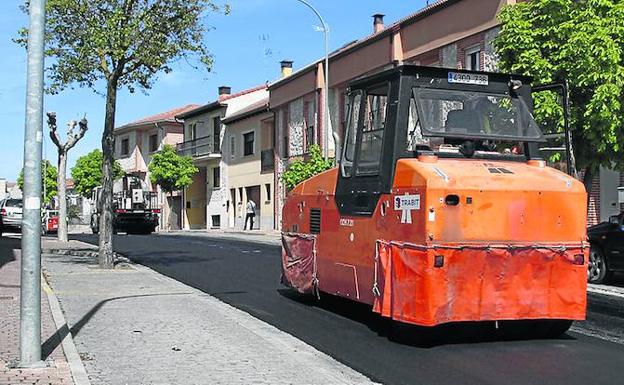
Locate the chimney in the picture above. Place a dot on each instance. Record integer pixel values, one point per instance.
(378, 23)
(224, 91)
(286, 66)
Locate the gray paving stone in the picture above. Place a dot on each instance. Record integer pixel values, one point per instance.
(135, 326)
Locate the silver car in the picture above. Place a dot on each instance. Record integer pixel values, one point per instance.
(11, 211)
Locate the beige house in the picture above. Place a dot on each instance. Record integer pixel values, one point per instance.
(206, 199)
(248, 156)
(136, 142)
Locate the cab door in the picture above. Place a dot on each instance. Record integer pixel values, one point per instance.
(366, 168)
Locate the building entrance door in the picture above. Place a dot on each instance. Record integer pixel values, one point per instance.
(253, 193)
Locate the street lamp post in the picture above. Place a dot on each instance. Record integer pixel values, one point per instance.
(326, 85)
(30, 282)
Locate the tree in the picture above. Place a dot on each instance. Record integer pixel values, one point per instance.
(87, 172)
(48, 181)
(122, 43)
(63, 149)
(49, 175)
(300, 170)
(583, 42)
(171, 171)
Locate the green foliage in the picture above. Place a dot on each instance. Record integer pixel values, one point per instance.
(299, 170)
(583, 42)
(49, 175)
(87, 172)
(170, 170)
(124, 41)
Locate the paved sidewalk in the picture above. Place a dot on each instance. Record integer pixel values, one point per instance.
(57, 370)
(271, 238)
(132, 325)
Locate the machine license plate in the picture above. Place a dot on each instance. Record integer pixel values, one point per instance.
(456, 77)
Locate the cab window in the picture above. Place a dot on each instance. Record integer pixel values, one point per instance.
(355, 101)
(373, 125)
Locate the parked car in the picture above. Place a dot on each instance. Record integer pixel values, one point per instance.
(11, 212)
(606, 254)
(49, 222)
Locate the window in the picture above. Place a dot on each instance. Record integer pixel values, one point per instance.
(248, 140)
(125, 147)
(351, 134)
(193, 132)
(473, 59)
(153, 143)
(285, 126)
(309, 116)
(286, 143)
(216, 221)
(469, 114)
(267, 187)
(232, 146)
(373, 126)
(216, 130)
(216, 177)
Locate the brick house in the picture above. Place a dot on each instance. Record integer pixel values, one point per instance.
(136, 142)
(446, 33)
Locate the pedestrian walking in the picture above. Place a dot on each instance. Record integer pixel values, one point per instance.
(251, 213)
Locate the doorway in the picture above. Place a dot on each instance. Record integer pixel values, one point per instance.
(253, 193)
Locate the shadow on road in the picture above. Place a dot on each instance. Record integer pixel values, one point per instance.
(7, 245)
(413, 335)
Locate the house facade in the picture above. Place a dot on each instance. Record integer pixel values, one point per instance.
(248, 156)
(135, 144)
(206, 200)
(446, 33)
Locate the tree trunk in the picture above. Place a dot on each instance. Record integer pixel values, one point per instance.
(105, 256)
(169, 210)
(62, 192)
(588, 179)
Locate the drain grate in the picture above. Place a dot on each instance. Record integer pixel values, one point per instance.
(6, 298)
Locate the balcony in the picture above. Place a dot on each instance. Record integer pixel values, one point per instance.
(267, 160)
(203, 146)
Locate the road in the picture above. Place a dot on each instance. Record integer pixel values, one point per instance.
(246, 275)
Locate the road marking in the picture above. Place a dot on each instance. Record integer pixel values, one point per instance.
(614, 292)
(589, 333)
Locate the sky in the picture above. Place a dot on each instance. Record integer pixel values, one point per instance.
(247, 45)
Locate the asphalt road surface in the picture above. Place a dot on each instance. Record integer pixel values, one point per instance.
(246, 275)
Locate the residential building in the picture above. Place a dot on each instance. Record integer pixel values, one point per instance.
(206, 199)
(3, 188)
(446, 33)
(248, 155)
(136, 142)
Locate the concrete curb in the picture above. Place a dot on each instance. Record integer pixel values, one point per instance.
(78, 371)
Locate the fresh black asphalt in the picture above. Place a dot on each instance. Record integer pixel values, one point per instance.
(246, 275)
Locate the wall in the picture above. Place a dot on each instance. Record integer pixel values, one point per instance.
(127, 162)
(245, 171)
(195, 195)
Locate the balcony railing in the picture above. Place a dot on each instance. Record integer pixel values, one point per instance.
(267, 161)
(198, 147)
